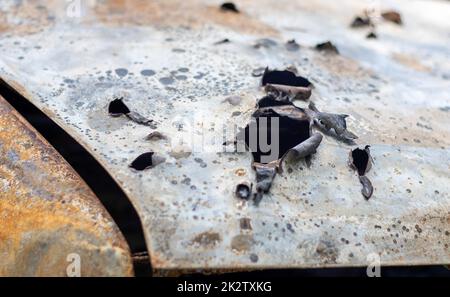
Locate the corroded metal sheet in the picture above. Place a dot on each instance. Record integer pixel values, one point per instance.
(49, 217)
(163, 58)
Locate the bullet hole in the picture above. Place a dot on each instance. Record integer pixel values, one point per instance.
(243, 191)
(118, 108)
(291, 131)
(146, 160)
(360, 22)
(360, 160)
(229, 6)
(392, 16)
(226, 40)
(372, 35)
(327, 47)
(292, 45)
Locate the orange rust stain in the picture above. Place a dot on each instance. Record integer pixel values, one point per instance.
(341, 66)
(169, 13)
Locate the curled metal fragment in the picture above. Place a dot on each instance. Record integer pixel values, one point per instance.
(146, 160)
(361, 161)
(258, 72)
(327, 121)
(367, 188)
(327, 47)
(229, 6)
(225, 40)
(287, 82)
(117, 108)
(372, 35)
(244, 190)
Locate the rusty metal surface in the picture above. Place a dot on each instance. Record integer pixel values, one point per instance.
(162, 58)
(47, 213)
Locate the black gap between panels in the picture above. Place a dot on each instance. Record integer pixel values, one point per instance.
(102, 184)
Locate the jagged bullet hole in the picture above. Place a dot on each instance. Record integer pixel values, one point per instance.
(146, 160)
(392, 16)
(291, 132)
(327, 47)
(360, 160)
(244, 190)
(287, 82)
(229, 6)
(118, 108)
(226, 40)
(330, 122)
(292, 45)
(360, 22)
(233, 100)
(371, 35)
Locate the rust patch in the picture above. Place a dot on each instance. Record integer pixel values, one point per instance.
(48, 212)
(171, 13)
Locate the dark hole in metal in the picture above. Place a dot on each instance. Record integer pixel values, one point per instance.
(143, 162)
(226, 40)
(229, 6)
(117, 107)
(96, 177)
(284, 77)
(291, 132)
(243, 191)
(360, 160)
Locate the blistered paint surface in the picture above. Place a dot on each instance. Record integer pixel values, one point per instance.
(49, 217)
(162, 58)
